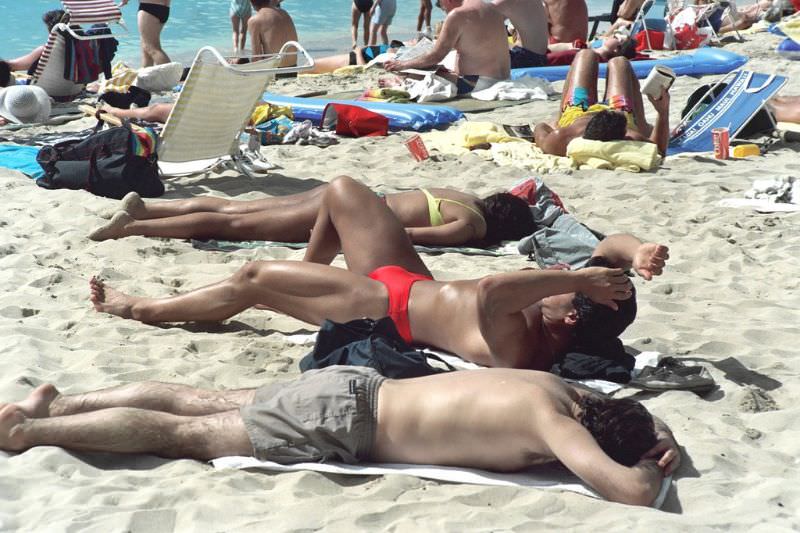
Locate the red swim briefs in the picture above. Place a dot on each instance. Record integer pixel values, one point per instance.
(398, 282)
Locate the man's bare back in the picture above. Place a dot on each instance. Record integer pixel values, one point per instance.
(529, 19)
(269, 28)
(475, 30)
(569, 20)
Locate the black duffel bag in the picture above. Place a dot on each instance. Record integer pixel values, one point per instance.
(110, 163)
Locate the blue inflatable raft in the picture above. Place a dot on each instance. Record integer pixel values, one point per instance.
(789, 49)
(416, 117)
(703, 61)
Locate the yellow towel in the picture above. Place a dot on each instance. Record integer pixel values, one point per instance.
(459, 139)
(530, 157)
(122, 77)
(350, 70)
(265, 112)
(632, 156)
(791, 27)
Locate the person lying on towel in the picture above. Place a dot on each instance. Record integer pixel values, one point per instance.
(435, 217)
(476, 31)
(621, 117)
(496, 419)
(524, 319)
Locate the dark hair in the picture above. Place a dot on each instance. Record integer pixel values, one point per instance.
(623, 427)
(628, 48)
(606, 126)
(5, 73)
(508, 217)
(52, 17)
(596, 323)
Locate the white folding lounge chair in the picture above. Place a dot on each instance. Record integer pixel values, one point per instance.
(213, 109)
(49, 73)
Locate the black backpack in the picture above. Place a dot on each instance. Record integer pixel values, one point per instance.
(109, 163)
(372, 343)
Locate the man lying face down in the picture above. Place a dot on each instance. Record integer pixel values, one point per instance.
(494, 419)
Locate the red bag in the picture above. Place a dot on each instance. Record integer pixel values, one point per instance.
(354, 121)
(656, 40)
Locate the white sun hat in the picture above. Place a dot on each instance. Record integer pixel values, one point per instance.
(24, 104)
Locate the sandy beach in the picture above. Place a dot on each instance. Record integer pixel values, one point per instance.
(729, 299)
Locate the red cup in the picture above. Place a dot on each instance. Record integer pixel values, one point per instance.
(417, 148)
(722, 141)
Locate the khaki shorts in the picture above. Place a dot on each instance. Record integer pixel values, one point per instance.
(330, 413)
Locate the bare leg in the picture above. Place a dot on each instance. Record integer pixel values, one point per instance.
(384, 34)
(366, 29)
(306, 291)
(305, 201)
(785, 108)
(370, 235)
(150, 33)
(129, 430)
(582, 73)
(235, 25)
(288, 225)
(355, 15)
(243, 33)
(152, 113)
(621, 80)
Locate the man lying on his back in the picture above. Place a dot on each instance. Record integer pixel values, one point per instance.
(495, 419)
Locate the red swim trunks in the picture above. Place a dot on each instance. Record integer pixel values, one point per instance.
(398, 282)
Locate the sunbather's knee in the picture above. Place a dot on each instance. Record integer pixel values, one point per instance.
(252, 273)
(343, 187)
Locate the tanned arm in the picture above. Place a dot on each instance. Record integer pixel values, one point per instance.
(446, 41)
(573, 445)
(503, 297)
(660, 134)
(451, 234)
(625, 251)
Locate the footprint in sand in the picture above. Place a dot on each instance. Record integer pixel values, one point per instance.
(756, 400)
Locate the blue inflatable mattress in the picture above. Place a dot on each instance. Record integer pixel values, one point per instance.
(703, 61)
(416, 117)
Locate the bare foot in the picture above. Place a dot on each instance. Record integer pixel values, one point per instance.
(114, 229)
(11, 435)
(133, 204)
(37, 404)
(108, 300)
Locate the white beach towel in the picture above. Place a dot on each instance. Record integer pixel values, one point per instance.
(772, 195)
(521, 89)
(549, 476)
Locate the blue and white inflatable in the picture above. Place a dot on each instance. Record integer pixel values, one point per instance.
(703, 61)
(789, 49)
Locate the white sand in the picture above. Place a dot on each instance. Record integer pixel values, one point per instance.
(730, 299)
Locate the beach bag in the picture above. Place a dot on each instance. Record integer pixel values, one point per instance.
(371, 343)
(354, 121)
(108, 163)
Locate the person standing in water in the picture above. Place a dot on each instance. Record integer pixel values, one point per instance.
(152, 16)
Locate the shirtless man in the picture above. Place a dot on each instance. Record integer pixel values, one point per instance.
(530, 21)
(568, 19)
(269, 28)
(494, 419)
(525, 319)
(622, 118)
(480, 62)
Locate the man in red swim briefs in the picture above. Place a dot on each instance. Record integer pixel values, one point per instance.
(523, 319)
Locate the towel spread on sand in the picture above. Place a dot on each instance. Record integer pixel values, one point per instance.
(231, 246)
(791, 28)
(467, 135)
(632, 156)
(521, 89)
(21, 158)
(547, 476)
(528, 156)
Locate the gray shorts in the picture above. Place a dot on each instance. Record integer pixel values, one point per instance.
(384, 13)
(330, 413)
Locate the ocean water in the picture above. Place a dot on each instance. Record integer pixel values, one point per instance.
(323, 26)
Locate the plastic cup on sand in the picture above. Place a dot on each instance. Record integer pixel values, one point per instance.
(417, 148)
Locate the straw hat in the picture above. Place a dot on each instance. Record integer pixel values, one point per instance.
(24, 104)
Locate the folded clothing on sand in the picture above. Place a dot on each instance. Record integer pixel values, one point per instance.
(632, 156)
